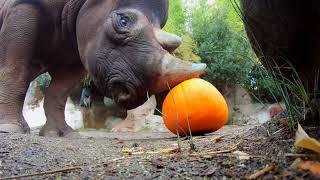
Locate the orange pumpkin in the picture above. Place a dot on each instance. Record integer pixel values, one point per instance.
(198, 102)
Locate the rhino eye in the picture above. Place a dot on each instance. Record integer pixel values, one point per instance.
(124, 21)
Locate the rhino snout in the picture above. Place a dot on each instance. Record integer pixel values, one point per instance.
(124, 94)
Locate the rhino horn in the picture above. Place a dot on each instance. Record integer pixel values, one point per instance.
(174, 71)
(168, 41)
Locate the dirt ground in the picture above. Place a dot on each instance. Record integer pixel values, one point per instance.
(233, 152)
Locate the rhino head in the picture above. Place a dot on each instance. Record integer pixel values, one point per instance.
(122, 46)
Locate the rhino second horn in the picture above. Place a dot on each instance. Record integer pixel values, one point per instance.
(168, 41)
(175, 71)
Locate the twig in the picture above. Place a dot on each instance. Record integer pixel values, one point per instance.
(177, 118)
(216, 152)
(164, 115)
(302, 155)
(277, 131)
(261, 172)
(43, 173)
(311, 128)
(232, 155)
(61, 170)
(216, 139)
(148, 152)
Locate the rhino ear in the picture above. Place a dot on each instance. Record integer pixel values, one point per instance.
(168, 41)
(174, 71)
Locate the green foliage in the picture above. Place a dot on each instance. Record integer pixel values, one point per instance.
(87, 81)
(176, 24)
(177, 18)
(231, 7)
(299, 101)
(220, 41)
(261, 86)
(187, 49)
(43, 82)
(226, 51)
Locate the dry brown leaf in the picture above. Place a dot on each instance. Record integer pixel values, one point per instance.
(169, 151)
(304, 141)
(241, 155)
(312, 166)
(284, 122)
(296, 163)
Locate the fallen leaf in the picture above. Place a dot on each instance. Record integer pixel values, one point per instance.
(312, 166)
(284, 122)
(127, 150)
(241, 155)
(296, 163)
(169, 151)
(304, 141)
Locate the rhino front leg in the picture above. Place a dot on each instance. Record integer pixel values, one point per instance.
(13, 88)
(62, 83)
(17, 38)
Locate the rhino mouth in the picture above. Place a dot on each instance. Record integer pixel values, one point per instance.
(124, 93)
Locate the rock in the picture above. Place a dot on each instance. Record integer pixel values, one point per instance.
(276, 110)
(243, 110)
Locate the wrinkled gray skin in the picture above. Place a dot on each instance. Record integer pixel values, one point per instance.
(119, 42)
(283, 31)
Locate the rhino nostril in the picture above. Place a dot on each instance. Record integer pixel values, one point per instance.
(120, 92)
(123, 97)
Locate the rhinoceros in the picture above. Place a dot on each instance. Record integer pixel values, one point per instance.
(286, 33)
(118, 42)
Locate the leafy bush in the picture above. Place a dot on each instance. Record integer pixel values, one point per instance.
(187, 49)
(226, 51)
(177, 18)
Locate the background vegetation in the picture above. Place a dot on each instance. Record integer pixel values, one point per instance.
(214, 33)
(216, 36)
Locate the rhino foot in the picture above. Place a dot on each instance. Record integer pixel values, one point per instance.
(52, 131)
(14, 125)
(11, 128)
